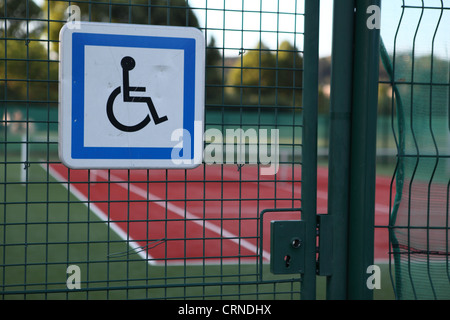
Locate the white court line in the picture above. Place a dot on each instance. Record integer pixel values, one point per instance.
(143, 193)
(181, 212)
(99, 213)
(380, 208)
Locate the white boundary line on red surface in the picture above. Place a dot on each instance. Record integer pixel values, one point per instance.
(164, 204)
(181, 212)
(100, 214)
(379, 208)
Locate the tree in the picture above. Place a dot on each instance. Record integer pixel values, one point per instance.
(253, 75)
(25, 66)
(29, 75)
(265, 77)
(16, 13)
(213, 75)
(290, 74)
(156, 12)
(30, 51)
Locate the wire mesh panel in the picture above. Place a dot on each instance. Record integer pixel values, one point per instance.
(418, 67)
(169, 234)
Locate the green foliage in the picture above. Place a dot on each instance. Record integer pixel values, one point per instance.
(17, 12)
(261, 77)
(30, 69)
(268, 77)
(27, 69)
(213, 74)
(156, 12)
(30, 74)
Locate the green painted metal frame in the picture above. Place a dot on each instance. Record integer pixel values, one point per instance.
(309, 168)
(339, 152)
(353, 112)
(363, 152)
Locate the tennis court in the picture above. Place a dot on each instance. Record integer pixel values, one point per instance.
(149, 209)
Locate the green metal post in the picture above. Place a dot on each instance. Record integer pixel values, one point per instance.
(339, 152)
(363, 152)
(309, 150)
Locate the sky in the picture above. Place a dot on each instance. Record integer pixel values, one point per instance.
(426, 29)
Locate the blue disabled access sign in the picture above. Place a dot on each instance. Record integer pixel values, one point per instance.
(131, 96)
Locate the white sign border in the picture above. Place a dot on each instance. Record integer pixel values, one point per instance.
(66, 83)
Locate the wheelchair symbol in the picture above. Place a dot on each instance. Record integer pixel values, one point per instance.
(128, 64)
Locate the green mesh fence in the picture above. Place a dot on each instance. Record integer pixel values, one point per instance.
(419, 70)
(152, 234)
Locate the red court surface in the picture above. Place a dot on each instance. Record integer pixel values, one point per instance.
(204, 215)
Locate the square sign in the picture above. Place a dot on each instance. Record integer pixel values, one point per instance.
(131, 96)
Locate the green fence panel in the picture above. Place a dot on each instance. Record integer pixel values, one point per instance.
(415, 56)
(161, 234)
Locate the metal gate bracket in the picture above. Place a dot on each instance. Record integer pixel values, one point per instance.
(287, 254)
(325, 250)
